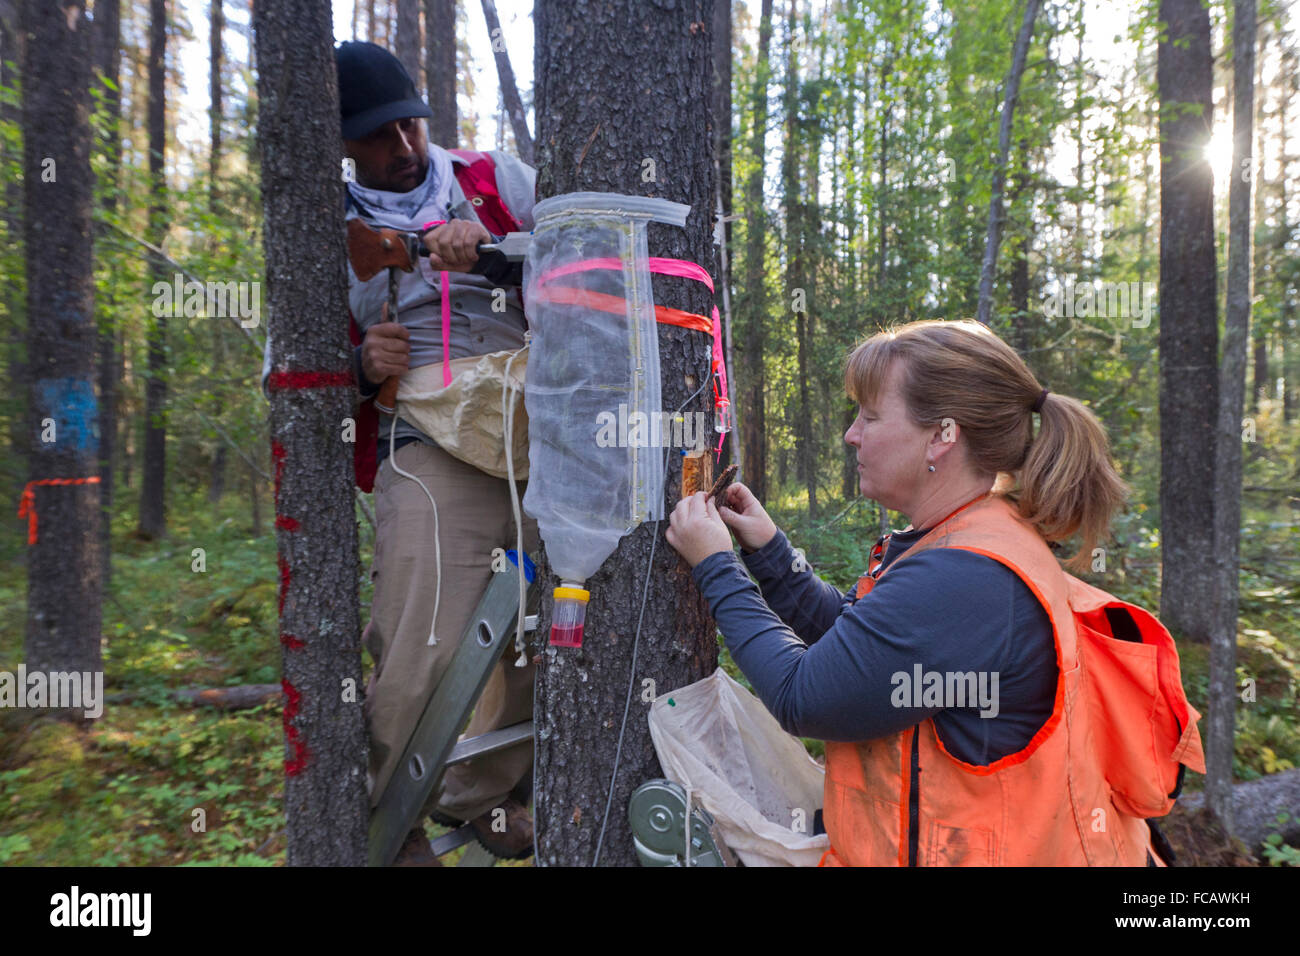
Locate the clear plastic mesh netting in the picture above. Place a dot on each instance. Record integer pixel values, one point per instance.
(593, 363)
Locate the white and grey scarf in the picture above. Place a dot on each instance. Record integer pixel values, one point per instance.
(410, 210)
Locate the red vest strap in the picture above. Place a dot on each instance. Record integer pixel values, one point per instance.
(478, 180)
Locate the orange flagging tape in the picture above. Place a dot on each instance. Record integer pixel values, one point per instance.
(27, 504)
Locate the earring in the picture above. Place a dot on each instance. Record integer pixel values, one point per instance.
(931, 468)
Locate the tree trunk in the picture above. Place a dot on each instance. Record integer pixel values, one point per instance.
(594, 102)
(797, 285)
(1260, 387)
(153, 481)
(1232, 395)
(880, 302)
(311, 391)
(216, 24)
(996, 212)
(440, 71)
(108, 43)
(1188, 331)
(720, 122)
(1290, 82)
(406, 39)
(752, 304)
(63, 569)
(509, 91)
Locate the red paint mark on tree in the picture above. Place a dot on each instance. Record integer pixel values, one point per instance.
(298, 762)
(279, 381)
(291, 642)
(287, 523)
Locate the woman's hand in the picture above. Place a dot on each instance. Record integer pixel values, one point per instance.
(696, 530)
(745, 516)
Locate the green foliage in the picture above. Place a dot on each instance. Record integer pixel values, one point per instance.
(1278, 853)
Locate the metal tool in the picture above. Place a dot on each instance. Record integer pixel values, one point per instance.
(657, 814)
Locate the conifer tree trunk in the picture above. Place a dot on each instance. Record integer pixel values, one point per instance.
(440, 71)
(996, 212)
(216, 63)
(598, 120)
(752, 303)
(1232, 396)
(153, 481)
(63, 567)
(406, 38)
(509, 90)
(1188, 331)
(312, 390)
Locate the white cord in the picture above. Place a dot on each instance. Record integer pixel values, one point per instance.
(437, 544)
(508, 423)
(636, 641)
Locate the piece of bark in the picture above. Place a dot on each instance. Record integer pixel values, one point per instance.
(697, 472)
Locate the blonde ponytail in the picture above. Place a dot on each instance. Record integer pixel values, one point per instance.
(1068, 484)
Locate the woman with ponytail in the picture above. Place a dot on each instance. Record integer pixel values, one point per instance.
(977, 700)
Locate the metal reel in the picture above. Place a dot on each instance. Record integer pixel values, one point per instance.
(657, 814)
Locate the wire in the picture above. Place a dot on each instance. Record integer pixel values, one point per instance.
(636, 640)
(437, 537)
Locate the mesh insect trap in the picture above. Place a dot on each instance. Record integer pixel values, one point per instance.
(593, 366)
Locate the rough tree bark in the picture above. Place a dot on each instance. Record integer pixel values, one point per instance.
(598, 119)
(997, 214)
(153, 469)
(1232, 396)
(1188, 331)
(440, 71)
(752, 303)
(63, 567)
(797, 291)
(406, 38)
(509, 91)
(311, 392)
(720, 123)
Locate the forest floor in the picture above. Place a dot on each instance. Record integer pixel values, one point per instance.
(128, 788)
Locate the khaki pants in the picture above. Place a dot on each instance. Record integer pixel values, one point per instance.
(474, 517)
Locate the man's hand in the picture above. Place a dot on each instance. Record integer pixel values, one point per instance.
(386, 350)
(695, 529)
(454, 245)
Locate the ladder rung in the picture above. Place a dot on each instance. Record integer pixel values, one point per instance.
(490, 742)
(451, 841)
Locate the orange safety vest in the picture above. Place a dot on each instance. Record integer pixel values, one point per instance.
(1111, 753)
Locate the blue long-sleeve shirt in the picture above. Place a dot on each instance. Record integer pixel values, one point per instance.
(833, 667)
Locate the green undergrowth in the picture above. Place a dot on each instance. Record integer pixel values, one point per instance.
(155, 783)
(152, 782)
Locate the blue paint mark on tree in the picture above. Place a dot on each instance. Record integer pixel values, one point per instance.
(71, 403)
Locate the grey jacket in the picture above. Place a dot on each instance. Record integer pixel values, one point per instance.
(483, 319)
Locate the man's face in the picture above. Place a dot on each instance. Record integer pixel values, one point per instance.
(393, 157)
